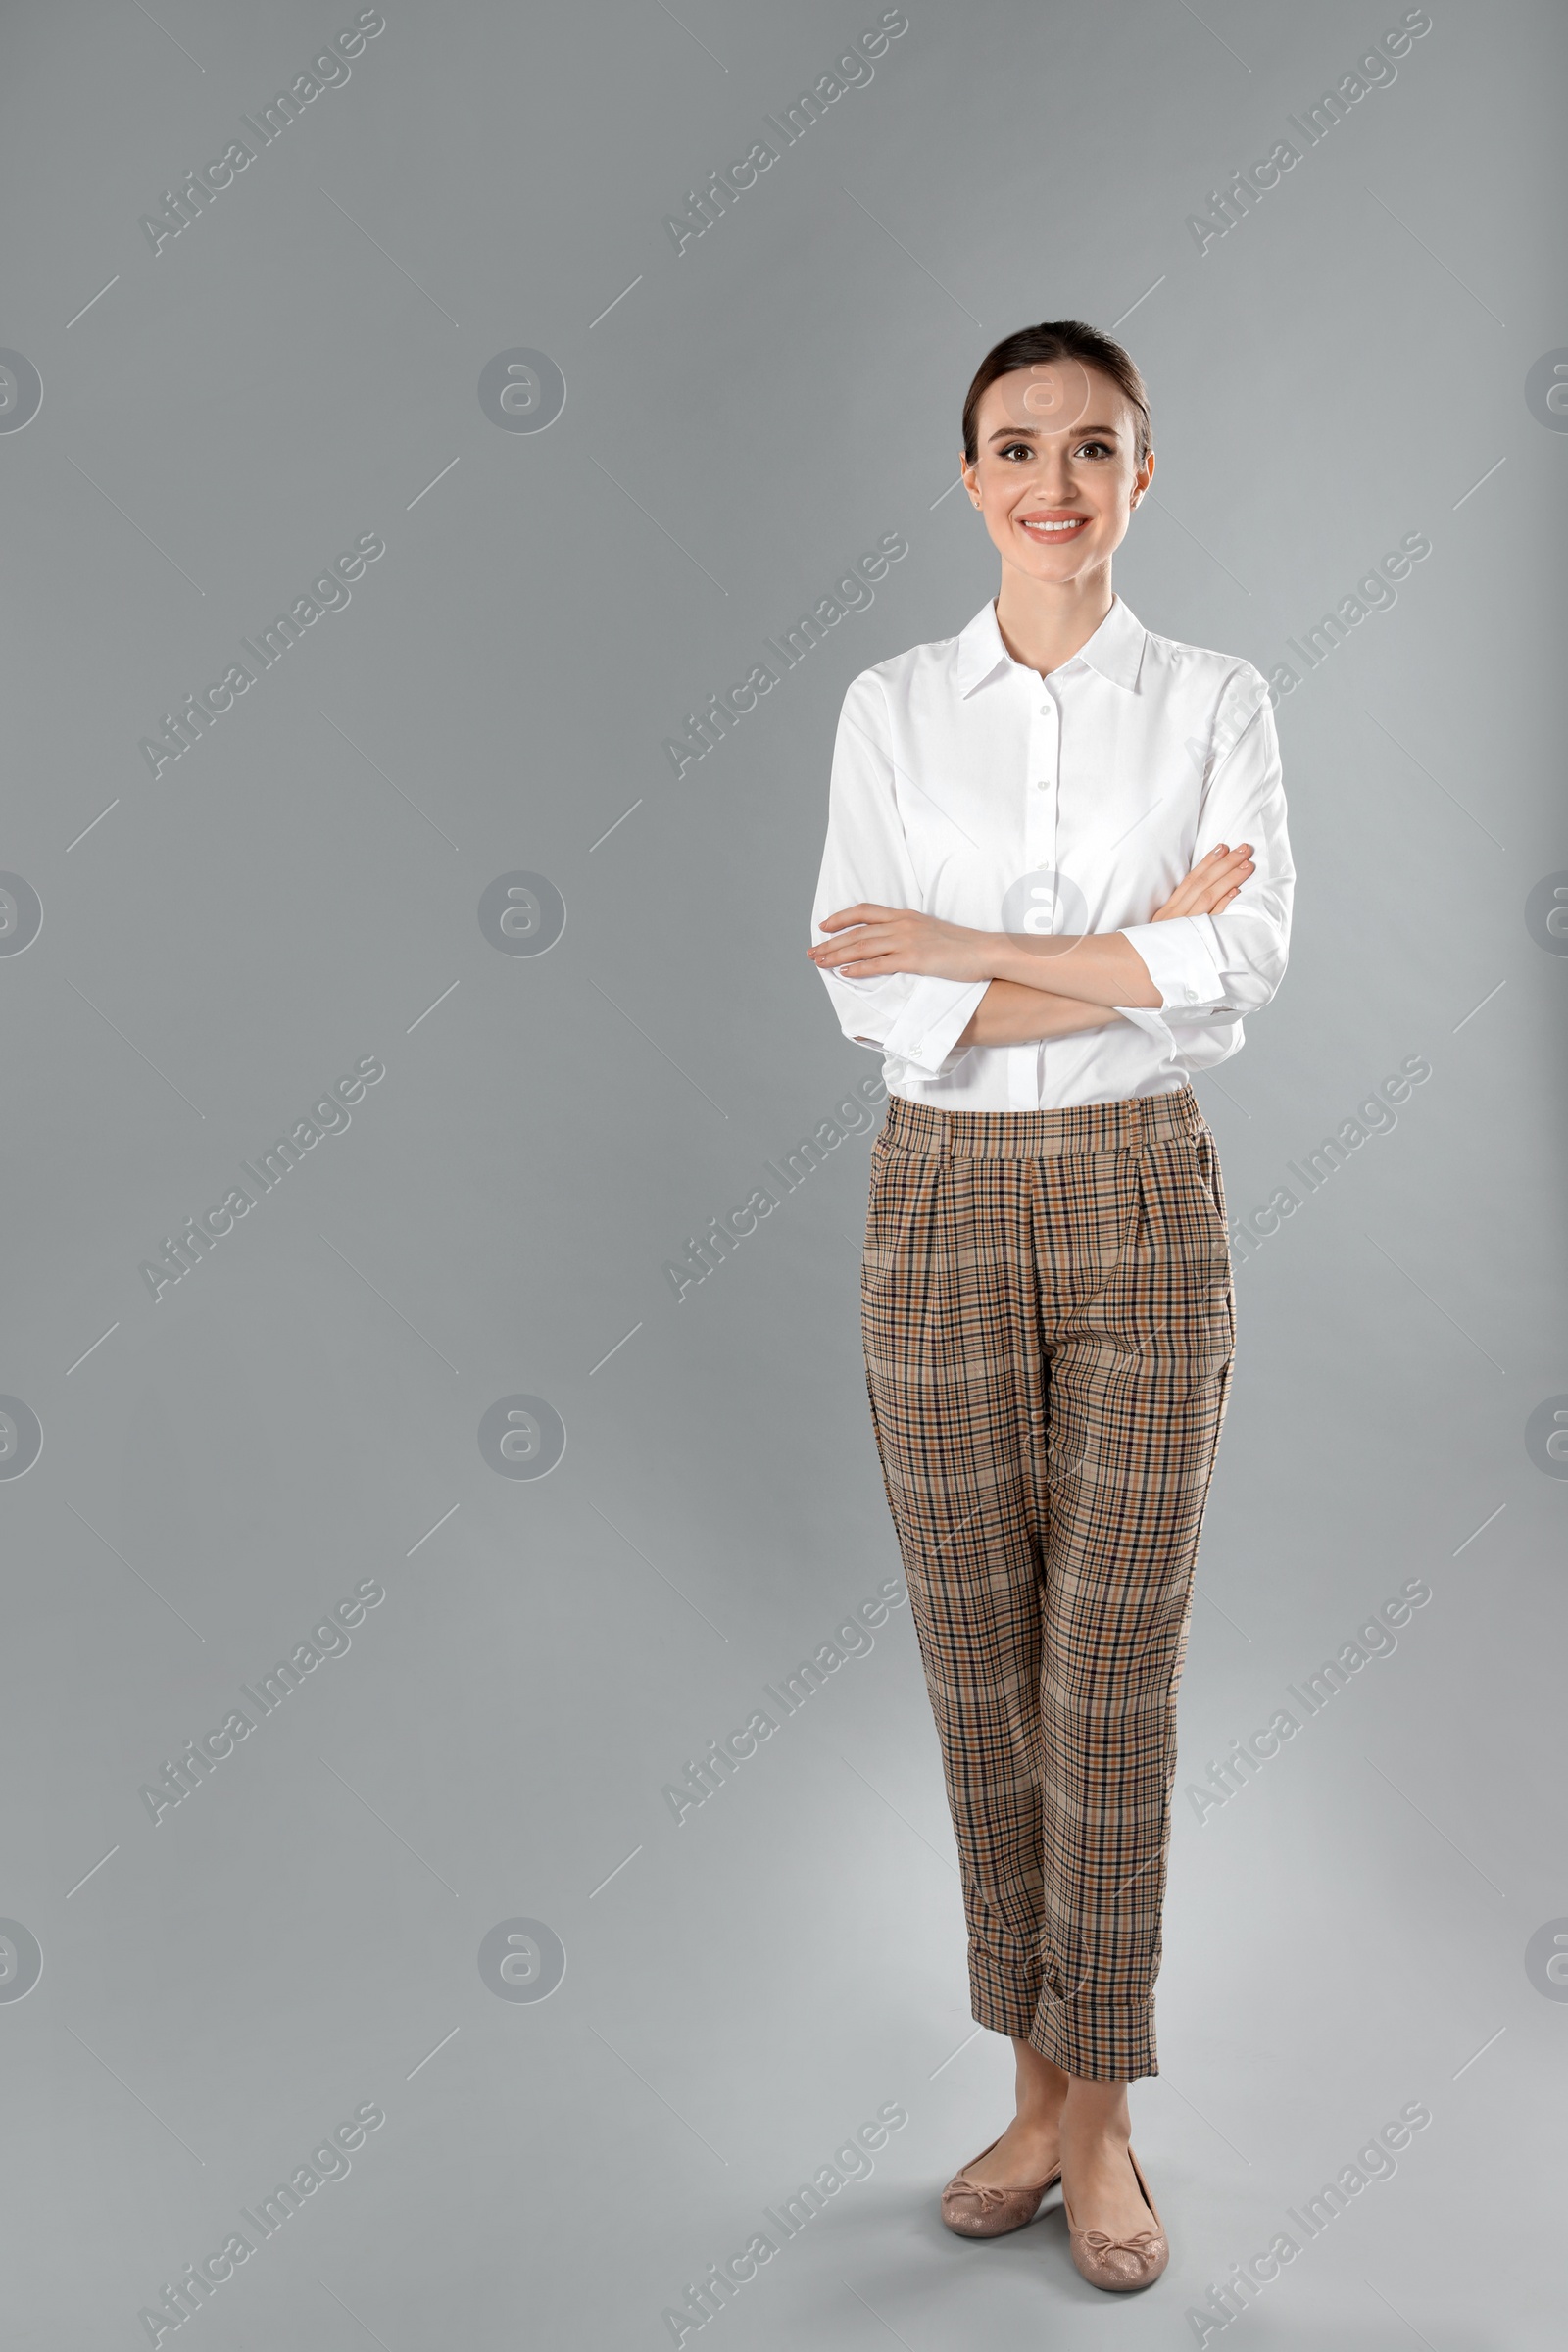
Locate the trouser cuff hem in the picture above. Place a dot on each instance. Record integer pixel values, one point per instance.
(1001, 2006)
(1111, 2046)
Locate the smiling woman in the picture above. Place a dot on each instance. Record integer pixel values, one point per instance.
(1055, 877)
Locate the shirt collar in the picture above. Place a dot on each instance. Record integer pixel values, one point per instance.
(1115, 649)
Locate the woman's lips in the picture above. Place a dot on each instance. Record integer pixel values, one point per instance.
(1056, 534)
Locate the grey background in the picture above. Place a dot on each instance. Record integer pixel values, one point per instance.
(297, 1413)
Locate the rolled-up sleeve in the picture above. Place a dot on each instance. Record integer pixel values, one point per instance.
(1218, 967)
(915, 1018)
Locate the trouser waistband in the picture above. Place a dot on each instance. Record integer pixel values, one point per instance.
(1120, 1126)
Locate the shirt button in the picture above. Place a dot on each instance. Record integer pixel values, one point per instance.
(1191, 994)
(1042, 788)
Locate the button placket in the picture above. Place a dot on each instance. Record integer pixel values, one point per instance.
(1045, 758)
(1042, 800)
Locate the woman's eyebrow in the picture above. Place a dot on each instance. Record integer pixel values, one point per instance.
(1031, 432)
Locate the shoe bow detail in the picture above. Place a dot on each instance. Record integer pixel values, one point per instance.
(1142, 2245)
(986, 2209)
(987, 2194)
(1121, 2263)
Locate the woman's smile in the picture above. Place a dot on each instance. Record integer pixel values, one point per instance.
(1059, 526)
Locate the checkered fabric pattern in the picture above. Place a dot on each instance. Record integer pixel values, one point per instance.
(1048, 1321)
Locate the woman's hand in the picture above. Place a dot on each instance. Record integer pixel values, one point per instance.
(879, 940)
(1213, 883)
(895, 939)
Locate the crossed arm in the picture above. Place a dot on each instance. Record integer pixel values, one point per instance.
(1054, 984)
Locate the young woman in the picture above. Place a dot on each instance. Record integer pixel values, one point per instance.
(1056, 876)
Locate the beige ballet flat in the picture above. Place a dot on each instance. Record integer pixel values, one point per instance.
(1120, 2264)
(974, 2209)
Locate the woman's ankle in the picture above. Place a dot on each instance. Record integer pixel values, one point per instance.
(1096, 2111)
(1040, 2089)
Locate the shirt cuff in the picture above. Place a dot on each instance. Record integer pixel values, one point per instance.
(1180, 958)
(1152, 1023)
(934, 1015)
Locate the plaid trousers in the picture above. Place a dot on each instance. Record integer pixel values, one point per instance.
(1049, 1320)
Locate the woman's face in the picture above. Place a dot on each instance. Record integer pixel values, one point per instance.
(1055, 474)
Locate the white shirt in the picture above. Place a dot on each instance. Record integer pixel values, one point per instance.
(968, 787)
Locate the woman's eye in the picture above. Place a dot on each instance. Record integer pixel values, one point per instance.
(1022, 449)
